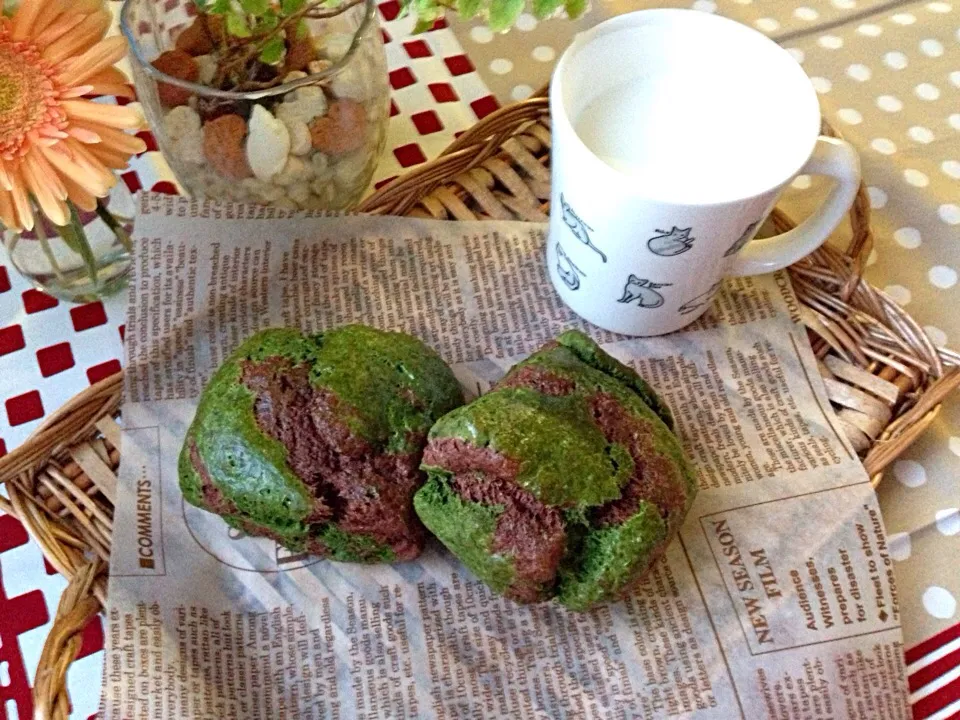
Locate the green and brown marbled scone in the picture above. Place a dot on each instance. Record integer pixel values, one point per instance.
(564, 481)
(316, 440)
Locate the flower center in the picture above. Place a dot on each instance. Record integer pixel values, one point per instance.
(24, 88)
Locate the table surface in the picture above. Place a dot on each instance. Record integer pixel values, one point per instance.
(888, 75)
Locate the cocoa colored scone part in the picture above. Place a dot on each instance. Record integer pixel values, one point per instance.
(566, 480)
(316, 440)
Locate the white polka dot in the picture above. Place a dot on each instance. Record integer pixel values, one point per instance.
(860, 73)
(908, 237)
(909, 473)
(895, 60)
(806, 13)
(850, 116)
(743, 2)
(797, 54)
(955, 78)
(889, 103)
(821, 84)
(900, 295)
(926, 91)
(526, 22)
(916, 178)
(481, 34)
(844, 4)
(948, 521)
(939, 7)
(830, 42)
(903, 19)
(705, 6)
(870, 30)
(521, 92)
(954, 445)
(801, 182)
(899, 546)
(872, 258)
(884, 146)
(954, 121)
(949, 213)
(920, 134)
(543, 53)
(937, 336)
(767, 25)
(878, 197)
(951, 168)
(931, 47)
(500, 66)
(939, 603)
(942, 277)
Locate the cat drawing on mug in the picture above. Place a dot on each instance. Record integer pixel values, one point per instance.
(644, 291)
(581, 231)
(742, 240)
(671, 242)
(568, 272)
(700, 300)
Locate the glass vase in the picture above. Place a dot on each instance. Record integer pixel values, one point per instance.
(85, 260)
(310, 139)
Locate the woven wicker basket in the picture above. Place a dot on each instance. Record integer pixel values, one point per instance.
(885, 378)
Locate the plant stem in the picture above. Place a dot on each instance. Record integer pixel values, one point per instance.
(45, 246)
(74, 235)
(111, 222)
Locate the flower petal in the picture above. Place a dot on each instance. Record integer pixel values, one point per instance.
(87, 137)
(69, 168)
(24, 18)
(5, 181)
(117, 140)
(87, 34)
(122, 117)
(80, 197)
(45, 173)
(53, 208)
(21, 202)
(113, 160)
(57, 29)
(99, 57)
(8, 215)
(124, 91)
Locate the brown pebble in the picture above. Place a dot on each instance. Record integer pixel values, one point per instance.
(178, 64)
(343, 129)
(300, 52)
(195, 39)
(224, 146)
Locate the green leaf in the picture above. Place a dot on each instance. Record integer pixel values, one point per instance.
(468, 8)
(423, 24)
(219, 7)
(272, 52)
(237, 25)
(503, 13)
(545, 8)
(574, 8)
(255, 7)
(268, 22)
(303, 30)
(289, 7)
(201, 4)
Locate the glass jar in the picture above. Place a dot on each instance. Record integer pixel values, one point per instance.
(308, 138)
(84, 261)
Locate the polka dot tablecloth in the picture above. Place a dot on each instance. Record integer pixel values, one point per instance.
(888, 75)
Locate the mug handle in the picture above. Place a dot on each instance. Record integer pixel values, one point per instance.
(834, 158)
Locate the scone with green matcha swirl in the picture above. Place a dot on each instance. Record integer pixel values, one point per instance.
(316, 440)
(565, 481)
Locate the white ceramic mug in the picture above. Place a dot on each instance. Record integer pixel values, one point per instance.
(674, 132)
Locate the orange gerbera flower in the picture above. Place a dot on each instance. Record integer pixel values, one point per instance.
(55, 145)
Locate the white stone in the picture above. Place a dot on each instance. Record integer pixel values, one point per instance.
(350, 169)
(304, 104)
(300, 143)
(182, 127)
(335, 45)
(318, 66)
(295, 171)
(321, 166)
(300, 194)
(351, 83)
(268, 143)
(294, 75)
(207, 65)
(285, 203)
(325, 190)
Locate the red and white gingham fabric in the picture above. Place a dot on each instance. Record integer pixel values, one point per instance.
(50, 350)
